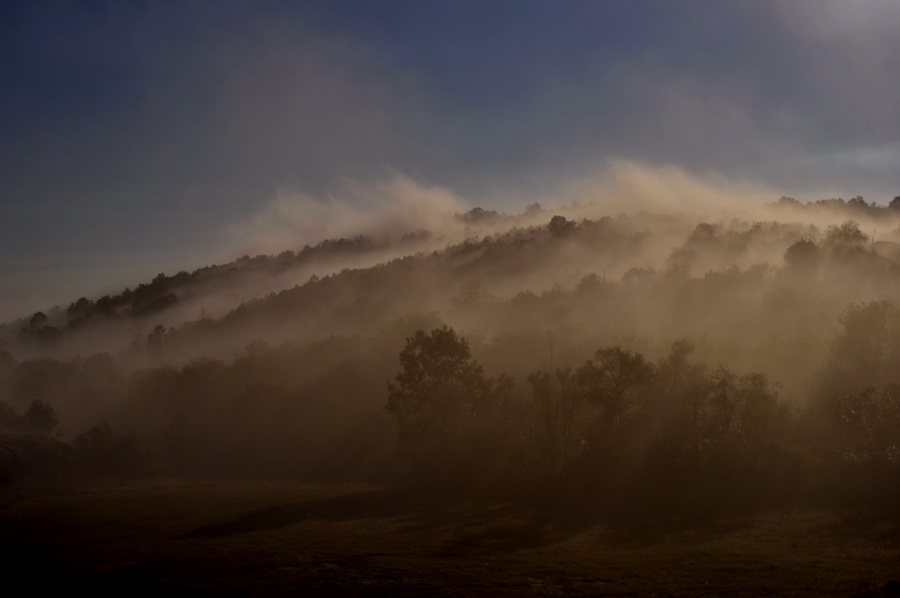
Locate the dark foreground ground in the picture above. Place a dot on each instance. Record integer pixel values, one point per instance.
(265, 538)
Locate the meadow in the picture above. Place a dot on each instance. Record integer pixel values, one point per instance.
(288, 538)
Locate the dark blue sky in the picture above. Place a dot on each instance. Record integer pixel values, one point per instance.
(134, 136)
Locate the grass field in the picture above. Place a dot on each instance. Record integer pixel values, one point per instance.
(274, 538)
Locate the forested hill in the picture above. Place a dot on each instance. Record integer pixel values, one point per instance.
(553, 335)
(657, 275)
(211, 291)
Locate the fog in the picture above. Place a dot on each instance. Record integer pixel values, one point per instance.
(173, 123)
(641, 319)
(326, 297)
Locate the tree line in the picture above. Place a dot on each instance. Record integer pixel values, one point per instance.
(621, 433)
(616, 431)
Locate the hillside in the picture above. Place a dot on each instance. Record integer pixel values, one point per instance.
(480, 260)
(770, 343)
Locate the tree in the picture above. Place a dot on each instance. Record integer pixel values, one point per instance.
(80, 307)
(610, 375)
(439, 387)
(803, 255)
(844, 238)
(560, 227)
(558, 403)
(867, 351)
(788, 201)
(472, 294)
(864, 440)
(857, 202)
(155, 338)
(40, 418)
(38, 331)
(37, 321)
(869, 420)
(9, 419)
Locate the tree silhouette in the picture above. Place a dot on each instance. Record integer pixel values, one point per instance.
(439, 388)
(610, 375)
(40, 418)
(803, 255)
(844, 238)
(559, 226)
(867, 351)
(558, 402)
(37, 321)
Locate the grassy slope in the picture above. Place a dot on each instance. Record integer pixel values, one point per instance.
(262, 538)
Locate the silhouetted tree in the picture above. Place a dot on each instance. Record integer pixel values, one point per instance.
(38, 333)
(844, 238)
(559, 226)
(439, 386)
(867, 352)
(803, 255)
(40, 418)
(80, 307)
(155, 338)
(9, 419)
(866, 446)
(37, 321)
(558, 401)
(784, 201)
(857, 202)
(478, 215)
(869, 421)
(610, 375)
(472, 294)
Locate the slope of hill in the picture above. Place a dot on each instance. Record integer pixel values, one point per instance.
(765, 334)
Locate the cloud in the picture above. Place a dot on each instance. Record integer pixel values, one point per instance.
(863, 21)
(630, 186)
(381, 210)
(389, 208)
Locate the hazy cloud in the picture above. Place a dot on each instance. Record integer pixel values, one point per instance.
(381, 210)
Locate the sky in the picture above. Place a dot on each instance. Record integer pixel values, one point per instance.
(154, 136)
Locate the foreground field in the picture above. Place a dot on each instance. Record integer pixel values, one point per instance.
(267, 538)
